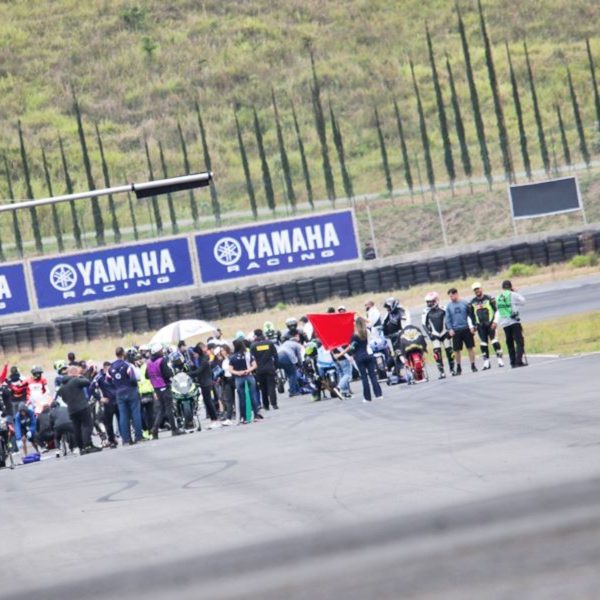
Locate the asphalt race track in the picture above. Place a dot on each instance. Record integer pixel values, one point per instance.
(481, 486)
(547, 301)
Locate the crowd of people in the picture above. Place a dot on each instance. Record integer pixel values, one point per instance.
(149, 390)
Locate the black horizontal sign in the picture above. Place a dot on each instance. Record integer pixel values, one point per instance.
(545, 198)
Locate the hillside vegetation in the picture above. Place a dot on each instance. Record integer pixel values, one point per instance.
(137, 70)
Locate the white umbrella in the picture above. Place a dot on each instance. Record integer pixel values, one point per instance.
(182, 330)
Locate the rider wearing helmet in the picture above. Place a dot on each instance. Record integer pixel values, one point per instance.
(485, 316)
(38, 389)
(272, 334)
(434, 322)
(397, 317)
(292, 329)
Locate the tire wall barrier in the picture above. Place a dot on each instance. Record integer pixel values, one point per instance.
(141, 318)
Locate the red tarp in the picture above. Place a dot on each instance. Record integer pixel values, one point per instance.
(333, 329)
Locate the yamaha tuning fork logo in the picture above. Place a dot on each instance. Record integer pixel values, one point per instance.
(119, 271)
(277, 246)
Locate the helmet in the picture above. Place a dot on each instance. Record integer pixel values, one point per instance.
(177, 360)
(35, 370)
(311, 349)
(156, 348)
(240, 335)
(342, 309)
(132, 354)
(432, 299)
(59, 365)
(476, 286)
(268, 326)
(291, 323)
(391, 304)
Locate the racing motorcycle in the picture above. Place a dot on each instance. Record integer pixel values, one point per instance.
(185, 397)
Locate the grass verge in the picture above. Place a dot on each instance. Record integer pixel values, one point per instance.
(568, 335)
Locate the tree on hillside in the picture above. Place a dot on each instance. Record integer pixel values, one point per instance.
(448, 158)
(338, 140)
(537, 113)
(266, 172)
(153, 200)
(405, 161)
(479, 127)
(246, 167)
(594, 82)
(491, 69)
(186, 166)
(55, 217)
(563, 136)
(15, 218)
(35, 224)
(519, 111)
(214, 198)
(322, 131)
(384, 156)
(69, 189)
(423, 128)
(165, 172)
(285, 163)
(583, 147)
(111, 201)
(305, 171)
(465, 157)
(96, 213)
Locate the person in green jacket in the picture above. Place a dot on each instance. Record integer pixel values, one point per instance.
(508, 302)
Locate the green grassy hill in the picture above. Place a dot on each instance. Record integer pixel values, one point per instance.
(138, 69)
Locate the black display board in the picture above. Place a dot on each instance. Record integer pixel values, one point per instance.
(545, 198)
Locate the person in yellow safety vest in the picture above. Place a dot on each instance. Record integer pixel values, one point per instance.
(147, 397)
(508, 302)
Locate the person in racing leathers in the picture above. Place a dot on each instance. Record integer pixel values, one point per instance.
(293, 330)
(393, 323)
(434, 322)
(485, 315)
(272, 334)
(38, 389)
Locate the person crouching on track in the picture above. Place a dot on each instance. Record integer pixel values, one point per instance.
(25, 428)
(460, 327)
(485, 314)
(72, 391)
(62, 427)
(434, 322)
(159, 373)
(125, 377)
(264, 353)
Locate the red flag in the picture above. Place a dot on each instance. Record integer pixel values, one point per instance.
(4, 373)
(333, 329)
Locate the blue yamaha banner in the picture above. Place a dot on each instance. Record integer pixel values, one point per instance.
(311, 241)
(13, 290)
(114, 272)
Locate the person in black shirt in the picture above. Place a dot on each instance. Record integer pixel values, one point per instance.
(241, 366)
(264, 354)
